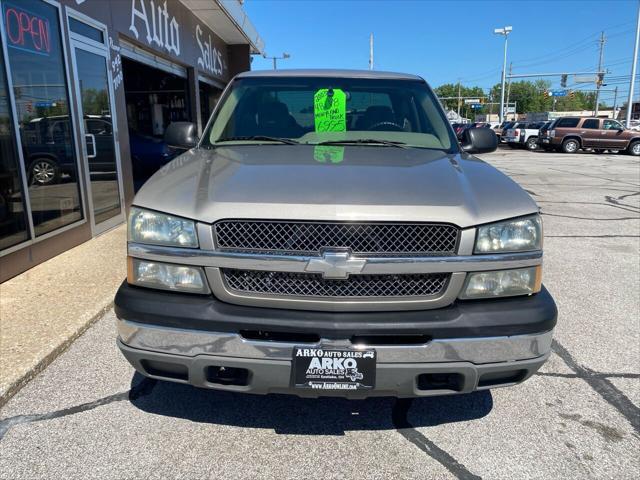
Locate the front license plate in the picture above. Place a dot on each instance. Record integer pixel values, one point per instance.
(333, 369)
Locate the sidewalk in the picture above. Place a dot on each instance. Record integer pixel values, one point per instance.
(44, 309)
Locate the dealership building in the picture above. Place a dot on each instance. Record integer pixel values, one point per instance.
(87, 89)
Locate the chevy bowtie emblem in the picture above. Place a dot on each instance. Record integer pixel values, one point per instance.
(335, 265)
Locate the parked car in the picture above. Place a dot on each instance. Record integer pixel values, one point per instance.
(148, 155)
(524, 135)
(500, 130)
(511, 133)
(570, 134)
(48, 151)
(459, 129)
(404, 267)
(544, 142)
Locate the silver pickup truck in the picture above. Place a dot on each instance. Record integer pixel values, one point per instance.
(328, 235)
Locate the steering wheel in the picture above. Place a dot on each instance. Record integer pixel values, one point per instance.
(382, 126)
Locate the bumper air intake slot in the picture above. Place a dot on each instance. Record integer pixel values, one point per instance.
(441, 381)
(175, 371)
(228, 375)
(292, 337)
(493, 379)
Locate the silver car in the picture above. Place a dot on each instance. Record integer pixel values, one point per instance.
(328, 235)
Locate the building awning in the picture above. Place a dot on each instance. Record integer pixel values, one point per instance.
(228, 20)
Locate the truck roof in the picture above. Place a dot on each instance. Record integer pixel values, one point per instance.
(334, 73)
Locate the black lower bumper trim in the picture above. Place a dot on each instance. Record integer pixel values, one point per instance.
(477, 318)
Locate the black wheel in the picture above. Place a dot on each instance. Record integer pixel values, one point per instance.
(532, 144)
(570, 145)
(634, 148)
(44, 171)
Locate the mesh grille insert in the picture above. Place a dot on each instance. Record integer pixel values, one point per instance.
(313, 285)
(312, 237)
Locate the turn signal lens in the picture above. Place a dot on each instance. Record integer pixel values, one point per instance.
(503, 283)
(166, 276)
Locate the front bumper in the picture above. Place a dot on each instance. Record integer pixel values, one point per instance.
(475, 345)
(265, 376)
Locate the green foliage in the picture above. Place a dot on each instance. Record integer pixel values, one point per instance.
(528, 96)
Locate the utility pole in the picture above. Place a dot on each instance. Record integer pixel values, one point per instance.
(371, 51)
(505, 31)
(509, 84)
(615, 102)
(633, 71)
(458, 99)
(598, 77)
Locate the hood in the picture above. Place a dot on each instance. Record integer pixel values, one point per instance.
(305, 182)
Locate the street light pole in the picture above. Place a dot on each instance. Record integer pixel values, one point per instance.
(503, 31)
(633, 70)
(283, 57)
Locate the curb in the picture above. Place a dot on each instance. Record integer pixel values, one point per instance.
(17, 385)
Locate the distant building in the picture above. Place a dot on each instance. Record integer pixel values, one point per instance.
(453, 117)
(635, 111)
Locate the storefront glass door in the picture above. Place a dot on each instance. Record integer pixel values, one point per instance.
(97, 128)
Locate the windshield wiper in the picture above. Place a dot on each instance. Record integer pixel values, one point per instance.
(265, 138)
(366, 141)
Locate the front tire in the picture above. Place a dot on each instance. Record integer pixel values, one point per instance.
(44, 171)
(634, 148)
(570, 145)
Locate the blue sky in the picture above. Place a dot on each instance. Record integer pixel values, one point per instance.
(447, 40)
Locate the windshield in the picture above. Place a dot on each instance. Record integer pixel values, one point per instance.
(313, 111)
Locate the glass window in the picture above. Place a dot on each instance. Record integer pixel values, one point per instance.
(42, 107)
(402, 111)
(591, 123)
(85, 30)
(568, 122)
(209, 96)
(611, 125)
(13, 218)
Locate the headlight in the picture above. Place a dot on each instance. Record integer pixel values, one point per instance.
(502, 283)
(519, 235)
(166, 276)
(156, 228)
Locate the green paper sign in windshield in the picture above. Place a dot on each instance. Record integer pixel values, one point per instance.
(330, 110)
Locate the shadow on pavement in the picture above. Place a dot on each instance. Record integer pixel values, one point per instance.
(288, 414)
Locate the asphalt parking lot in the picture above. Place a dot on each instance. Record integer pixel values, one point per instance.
(89, 416)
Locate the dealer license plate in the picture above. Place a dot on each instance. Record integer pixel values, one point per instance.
(333, 369)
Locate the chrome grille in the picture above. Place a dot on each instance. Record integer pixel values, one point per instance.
(371, 239)
(313, 285)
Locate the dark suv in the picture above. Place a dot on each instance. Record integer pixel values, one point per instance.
(570, 134)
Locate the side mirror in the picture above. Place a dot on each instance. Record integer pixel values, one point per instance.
(181, 135)
(479, 140)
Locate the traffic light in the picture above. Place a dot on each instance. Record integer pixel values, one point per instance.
(572, 94)
(563, 81)
(546, 94)
(600, 79)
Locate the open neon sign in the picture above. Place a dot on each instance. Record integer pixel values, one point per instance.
(27, 31)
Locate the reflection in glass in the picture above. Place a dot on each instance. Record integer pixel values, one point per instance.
(13, 218)
(42, 108)
(92, 75)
